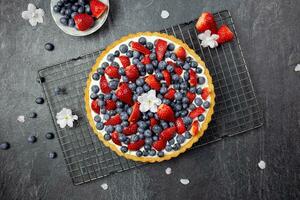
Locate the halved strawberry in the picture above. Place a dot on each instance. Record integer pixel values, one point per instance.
(124, 61)
(132, 72)
(124, 93)
(194, 128)
(206, 22)
(170, 94)
(191, 96)
(180, 125)
(95, 106)
(196, 112)
(104, 85)
(135, 114)
(140, 48)
(114, 120)
(225, 34)
(178, 70)
(131, 129)
(167, 77)
(159, 145)
(168, 133)
(160, 49)
(136, 145)
(115, 138)
(97, 8)
(83, 21)
(205, 93)
(180, 53)
(193, 77)
(153, 122)
(166, 113)
(146, 59)
(110, 104)
(112, 72)
(153, 82)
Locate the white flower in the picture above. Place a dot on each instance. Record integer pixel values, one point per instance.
(65, 117)
(297, 68)
(184, 181)
(208, 40)
(149, 101)
(21, 118)
(262, 164)
(33, 14)
(164, 14)
(104, 186)
(168, 170)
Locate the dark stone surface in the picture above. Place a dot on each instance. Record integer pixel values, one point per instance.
(269, 35)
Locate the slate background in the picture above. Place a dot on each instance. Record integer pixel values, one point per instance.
(269, 35)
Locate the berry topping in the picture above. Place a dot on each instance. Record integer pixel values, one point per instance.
(146, 60)
(125, 61)
(124, 93)
(168, 133)
(225, 34)
(159, 144)
(165, 112)
(136, 145)
(180, 53)
(196, 112)
(113, 120)
(160, 49)
(104, 85)
(83, 21)
(131, 129)
(110, 104)
(132, 73)
(153, 122)
(153, 82)
(205, 93)
(206, 22)
(193, 77)
(95, 106)
(140, 48)
(195, 127)
(115, 138)
(180, 125)
(112, 72)
(167, 77)
(135, 114)
(97, 8)
(191, 96)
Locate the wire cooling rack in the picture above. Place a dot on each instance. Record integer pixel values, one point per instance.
(236, 109)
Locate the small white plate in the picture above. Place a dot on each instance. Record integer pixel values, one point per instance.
(72, 30)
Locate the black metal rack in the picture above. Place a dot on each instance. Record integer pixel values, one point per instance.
(236, 109)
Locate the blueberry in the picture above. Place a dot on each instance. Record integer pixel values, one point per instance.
(201, 118)
(167, 54)
(49, 135)
(148, 140)
(199, 70)
(175, 78)
(60, 3)
(187, 135)
(110, 57)
(201, 80)
(187, 120)
(82, 2)
(106, 117)
(171, 124)
(117, 53)
(142, 40)
(106, 136)
(123, 48)
(152, 152)
(156, 129)
(142, 73)
(178, 107)
(49, 46)
(140, 81)
(176, 146)
(96, 76)
(97, 118)
(129, 110)
(125, 79)
(56, 8)
(162, 65)
(152, 56)
(184, 112)
(81, 9)
(62, 11)
(74, 8)
(171, 47)
(149, 68)
(149, 45)
(32, 115)
(180, 139)
(124, 149)
(113, 84)
(136, 54)
(99, 125)
(146, 88)
(164, 124)
(109, 129)
(168, 148)
(166, 101)
(198, 101)
(185, 100)
(148, 133)
(163, 90)
(141, 66)
(134, 138)
(194, 64)
(93, 96)
(125, 123)
(159, 76)
(192, 107)
(206, 104)
(192, 89)
(104, 65)
(68, 12)
(124, 116)
(173, 57)
(180, 63)
(177, 114)
(135, 61)
(178, 96)
(171, 142)
(119, 104)
(170, 68)
(52, 155)
(64, 21)
(160, 154)
(199, 90)
(32, 139)
(186, 66)
(68, 6)
(4, 146)
(154, 63)
(132, 86)
(138, 153)
(39, 100)
(188, 59)
(139, 90)
(95, 88)
(87, 9)
(155, 138)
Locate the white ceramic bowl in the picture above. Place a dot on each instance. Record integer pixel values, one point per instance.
(72, 30)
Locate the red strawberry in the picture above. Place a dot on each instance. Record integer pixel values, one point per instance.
(140, 48)
(97, 8)
(225, 34)
(153, 82)
(159, 145)
(136, 145)
(191, 96)
(132, 72)
(196, 112)
(153, 122)
(178, 70)
(180, 53)
(170, 94)
(124, 61)
(165, 112)
(104, 85)
(146, 60)
(112, 72)
(167, 77)
(168, 133)
(124, 93)
(205, 93)
(115, 138)
(206, 22)
(194, 128)
(83, 21)
(180, 125)
(160, 49)
(110, 105)
(193, 77)
(95, 106)
(131, 129)
(135, 114)
(113, 120)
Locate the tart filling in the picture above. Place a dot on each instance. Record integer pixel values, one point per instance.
(149, 97)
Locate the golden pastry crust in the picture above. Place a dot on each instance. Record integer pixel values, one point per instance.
(186, 146)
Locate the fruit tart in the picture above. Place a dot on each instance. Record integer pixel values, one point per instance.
(149, 97)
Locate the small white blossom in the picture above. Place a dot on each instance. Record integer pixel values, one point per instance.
(65, 117)
(33, 14)
(297, 68)
(104, 186)
(149, 101)
(208, 40)
(262, 164)
(21, 118)
(184, 181)
(168, 171)
(164, 14)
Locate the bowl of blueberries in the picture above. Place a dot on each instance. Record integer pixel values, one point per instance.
(79, 17)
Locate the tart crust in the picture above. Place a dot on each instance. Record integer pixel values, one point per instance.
(193, 140)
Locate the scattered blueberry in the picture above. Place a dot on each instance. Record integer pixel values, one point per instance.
(106, 136)
(110, 57)
(142, 40)
(149, 45)
(199, 90)
(160, 154)
(4, 146)
(139, 153)
(124, 149)
(187, 135)
(152, 152)
(32, 139)
(194, 64)
(206, 104)
(49, 46)
(39, 100)
(201, 80)
(99, 125)
(180, 139)
(201, 118)
(64, 21)
(49, 135)
(32, 115)
(136, 54)
(198, 101)
(71, 22)
(52, 155)
(56, 8)
(168, 148)
(199, 70)
(171, 47)
(123, 48)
